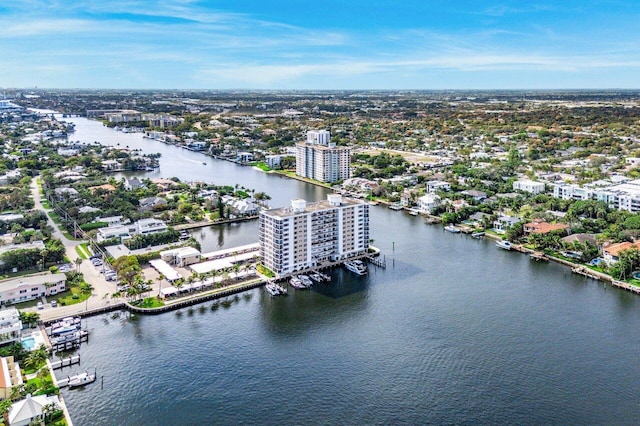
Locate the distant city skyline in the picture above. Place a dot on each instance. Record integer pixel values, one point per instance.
(285, 44)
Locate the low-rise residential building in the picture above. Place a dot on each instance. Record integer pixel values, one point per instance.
(31, 287)
(10, 376)
(273, 161)
(621, 196)
(529, 186)
(10, 326)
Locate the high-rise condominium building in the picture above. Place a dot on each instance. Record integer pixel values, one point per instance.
(319, 159)
(307, 234)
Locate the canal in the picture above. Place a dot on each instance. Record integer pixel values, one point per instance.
(453, 331)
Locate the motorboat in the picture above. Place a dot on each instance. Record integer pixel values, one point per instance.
(356, 266)
(504, 244)
(81, 379)
(452, 228)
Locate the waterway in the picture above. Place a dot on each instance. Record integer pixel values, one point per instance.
(453, 331)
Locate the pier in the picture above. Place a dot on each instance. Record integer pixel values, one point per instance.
(65, 362)
(380, 262)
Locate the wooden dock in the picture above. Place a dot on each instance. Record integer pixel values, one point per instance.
(380, 262)
(582, 270)
(539, 256)
(626, 286)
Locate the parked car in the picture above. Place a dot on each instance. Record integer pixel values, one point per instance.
(40, 305)
(54, 303)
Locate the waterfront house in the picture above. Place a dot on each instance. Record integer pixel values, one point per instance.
(10, 376)
(31, 410)
(611, 252)
(539, 227)
(428, 203)
(502, 223)
(150, 226)
(10, 326)
(31, 287)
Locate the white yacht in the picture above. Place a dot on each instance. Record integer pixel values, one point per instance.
(356, 266)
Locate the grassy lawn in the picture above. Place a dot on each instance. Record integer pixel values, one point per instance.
(67, 297)
(46, 204)
(262, 166)
(27, 304)
(54, 217)
(149, 302)
(83, 251)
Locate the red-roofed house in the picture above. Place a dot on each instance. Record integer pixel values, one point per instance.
(544, 227)
(611, 253)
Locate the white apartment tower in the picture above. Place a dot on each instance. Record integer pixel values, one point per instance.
(319, 159)
(307, 234)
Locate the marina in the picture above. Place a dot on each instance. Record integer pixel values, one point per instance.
(421, 306)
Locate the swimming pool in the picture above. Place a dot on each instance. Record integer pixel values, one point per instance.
(28, 343)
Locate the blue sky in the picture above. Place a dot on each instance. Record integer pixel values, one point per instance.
(324, 44)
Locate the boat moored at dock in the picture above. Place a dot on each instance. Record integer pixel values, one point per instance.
(356, 266)
(81, 379)
(506, 245)
(452, 228)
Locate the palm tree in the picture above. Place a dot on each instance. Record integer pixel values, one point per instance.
(159, 278)
(78, 262)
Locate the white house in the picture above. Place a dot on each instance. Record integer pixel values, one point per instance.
(502, 223)
(117, 231)
(30, 409)
(530, 186)
(150, 226)
(428, 202)
(438, 185)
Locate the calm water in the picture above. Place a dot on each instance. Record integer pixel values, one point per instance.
(454, 331)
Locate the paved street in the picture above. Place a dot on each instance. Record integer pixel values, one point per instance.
(102, 289)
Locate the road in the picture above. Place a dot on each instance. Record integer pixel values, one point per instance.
(102, 289)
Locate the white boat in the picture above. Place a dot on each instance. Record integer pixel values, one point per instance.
(413, 212)
(356, 266)
(452, 228)
(296, 283)
(81, 379)
(305, 281)
(504, 245)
